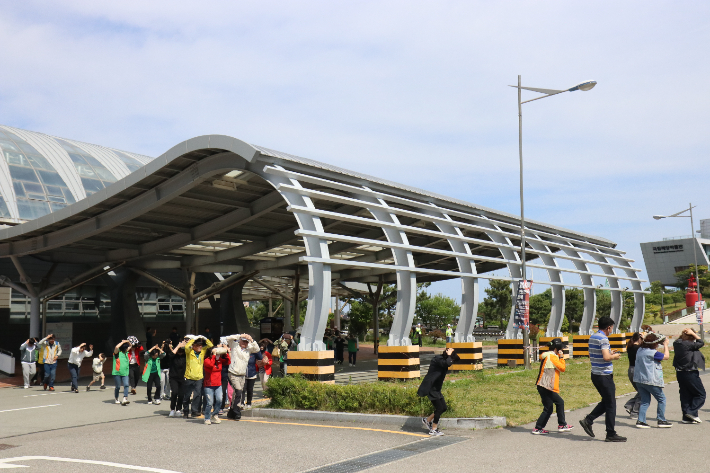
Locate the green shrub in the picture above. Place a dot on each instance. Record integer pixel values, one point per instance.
(295, 392)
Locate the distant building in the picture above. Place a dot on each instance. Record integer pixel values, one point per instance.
(666, 257)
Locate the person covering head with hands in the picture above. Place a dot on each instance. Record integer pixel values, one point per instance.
(648, 376)
(28, 358)
(552, 363)
(241, 347)
(194, 373)
(151, 372)
(51, 351)
(76, 355)
(177, 362)
(431, 388)
(119, 371)
(687, 360)
(601, 355)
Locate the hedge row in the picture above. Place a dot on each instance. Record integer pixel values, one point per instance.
(295, 392)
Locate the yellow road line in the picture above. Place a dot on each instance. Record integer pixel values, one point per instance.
(335, 427)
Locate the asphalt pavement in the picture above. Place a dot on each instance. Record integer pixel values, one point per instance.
(63, 431)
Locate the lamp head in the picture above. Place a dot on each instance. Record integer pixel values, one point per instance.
(658, 217)
(584, 86)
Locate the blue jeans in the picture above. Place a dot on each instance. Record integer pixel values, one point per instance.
(213, 400)
(646, 390)
(50, 372)
(74, 371)
(119, 381)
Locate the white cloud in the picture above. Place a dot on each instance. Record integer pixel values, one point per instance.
(409, 91)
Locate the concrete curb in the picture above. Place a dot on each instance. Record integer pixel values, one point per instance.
(476, 423)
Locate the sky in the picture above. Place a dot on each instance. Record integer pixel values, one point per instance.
(410, 91)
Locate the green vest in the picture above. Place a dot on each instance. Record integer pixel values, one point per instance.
(148, 368)
(120, 364)
(418, 330)
(449, 332)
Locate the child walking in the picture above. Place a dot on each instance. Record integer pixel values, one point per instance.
(552, 363)
(97, 365)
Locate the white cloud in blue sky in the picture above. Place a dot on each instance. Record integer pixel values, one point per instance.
(414, 92)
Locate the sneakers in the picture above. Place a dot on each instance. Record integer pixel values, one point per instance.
(45, 386)
(426, 423)
(178, 413)
(435, 432)
(688, 419)
(216, 420)
(587, 426)
(208, 422)
(539, 432)
(664, 424)
(88, 388)
(615, 438)
(564, 428)
(156, 402)
(172, 414)
(642, 425)
(248, 406)
(133, 391)
(27, 386)
(51, 388)
(117, 401)
(102, 387)
(125, 401)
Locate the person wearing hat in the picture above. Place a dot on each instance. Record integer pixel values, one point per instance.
(418, 331)
(241, 347)
(687, 360)
(431, 388)
(449, 333)
(648, 376)
(552, 363)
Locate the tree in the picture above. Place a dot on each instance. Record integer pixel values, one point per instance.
(437, 311)
(498, 301)
(703, 274)
(359, 317)
(540, 307)
(574, 307)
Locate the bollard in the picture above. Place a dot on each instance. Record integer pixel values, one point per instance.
(313, 365)
(471, 354)
(398, 362)
(510, 349)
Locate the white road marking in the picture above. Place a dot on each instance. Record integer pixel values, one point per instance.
(35, 395)
(8, 463)
(34, 407)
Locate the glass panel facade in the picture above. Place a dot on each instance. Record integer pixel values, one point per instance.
(35, 180)
(131, 163)
(94, 175)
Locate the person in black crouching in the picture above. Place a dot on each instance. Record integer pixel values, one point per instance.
(431, 388)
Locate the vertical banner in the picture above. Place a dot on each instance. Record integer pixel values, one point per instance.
(699, 306)
(522, 305)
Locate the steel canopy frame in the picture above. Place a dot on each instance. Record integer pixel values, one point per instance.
(353, 227)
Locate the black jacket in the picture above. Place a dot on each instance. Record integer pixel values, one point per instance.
(177, 365)
(434, 379)
(687, 357)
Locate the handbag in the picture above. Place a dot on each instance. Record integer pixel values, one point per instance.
(276, 353)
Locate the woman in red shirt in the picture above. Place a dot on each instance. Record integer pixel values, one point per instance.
(214, 359)
(264, 364)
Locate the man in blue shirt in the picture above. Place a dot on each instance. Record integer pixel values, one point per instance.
(601, 356)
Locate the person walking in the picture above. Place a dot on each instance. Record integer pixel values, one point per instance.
(431, 388)
(51, 351)
(264, 364)
(119, 371)
(687, 360)
(353, 348)
(251, 376)
(176, 361)
(165, 373)
(134, 359)
(97, 367)
(632, 346)
(151, 372)
(339, 345)
(76, 355)
(241, 348)
(601, 356)
(418, 331)
(215, 358)
(648, 376)
(552, 363)
(28, 360)
(194, 374)
(39, 378)
(449, 333)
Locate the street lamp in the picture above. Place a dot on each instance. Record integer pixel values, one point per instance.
(695, 253)
(583, 86)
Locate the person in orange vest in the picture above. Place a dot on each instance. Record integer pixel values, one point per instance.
(552, 363)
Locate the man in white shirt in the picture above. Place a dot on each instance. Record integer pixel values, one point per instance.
(76, 355)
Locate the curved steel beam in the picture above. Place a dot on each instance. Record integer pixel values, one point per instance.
(557, 312)
(590, 294)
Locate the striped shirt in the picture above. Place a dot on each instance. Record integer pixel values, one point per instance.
(598, 342)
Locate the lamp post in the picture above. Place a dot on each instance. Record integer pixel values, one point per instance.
(583, 86)
(695, 252)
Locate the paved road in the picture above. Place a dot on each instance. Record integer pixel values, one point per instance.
(89, 427)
